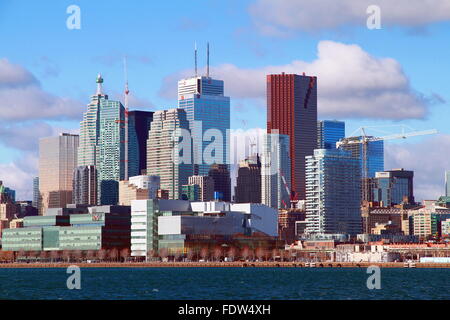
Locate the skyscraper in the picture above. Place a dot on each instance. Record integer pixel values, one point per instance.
(333, 188)
(447, 183)
(141, 121)
(164, 155)
(85, 185)
(292, 110)
(276, 171)
(57, 160)
(208, 113)
(110, 162)
(329, 132)
(375, 154)
(222, 182)
(206, 187)
(102, 144)
(36, 192)
(248, 182)
(393, 187)
(89, 128)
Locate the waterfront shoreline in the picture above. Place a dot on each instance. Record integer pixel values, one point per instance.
(226, 265)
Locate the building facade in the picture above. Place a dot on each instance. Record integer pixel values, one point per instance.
(292, 111)
(206, 187)
(36, 194)
(222, 181)
(208, 113)
(104, 227)
(140, 121)
(275, 171)
(333, 180)
(375, 154)
(248, 181)
(166, 156)
(329, 132)
(85, 185)
(57, 160)
(102, 137)
(393, 187)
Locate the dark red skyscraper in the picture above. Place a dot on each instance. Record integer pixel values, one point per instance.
(292, 110)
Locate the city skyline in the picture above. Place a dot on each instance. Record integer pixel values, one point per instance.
(49, 78)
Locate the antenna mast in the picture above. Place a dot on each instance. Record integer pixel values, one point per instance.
(127, 91)
(207, 60)
(195, 58)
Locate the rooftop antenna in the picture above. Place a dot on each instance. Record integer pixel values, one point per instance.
(99, 84)
(207, 60)
(195, 58)
(127, 91)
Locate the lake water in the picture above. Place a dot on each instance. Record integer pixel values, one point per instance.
(224, 283)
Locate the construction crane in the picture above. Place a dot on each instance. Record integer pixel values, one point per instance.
(364, 140)
(292, 195)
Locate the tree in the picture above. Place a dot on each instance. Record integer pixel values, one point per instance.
(101, 254)
(231, 253)
(245, 253)
(163, 253)
(204, 253)
(190, 254)
(260, 253)
(217, 253)
(77, 255)
(54, 255)
(43, 255)
(90, 255)
(125, 254)
(275, 254)
(67, 255)
(113, 254)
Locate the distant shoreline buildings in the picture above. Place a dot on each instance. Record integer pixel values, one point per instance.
(160, 181)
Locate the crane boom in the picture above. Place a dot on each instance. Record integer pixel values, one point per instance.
(364, 140)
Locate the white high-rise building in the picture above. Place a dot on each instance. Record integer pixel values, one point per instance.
(275, 171)
(333, 188)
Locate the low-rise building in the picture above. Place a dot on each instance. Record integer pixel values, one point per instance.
(182, 226)
(104, 227)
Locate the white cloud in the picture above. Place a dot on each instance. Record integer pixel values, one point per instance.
(429, 160)
(280, 17)
(22, 98)
(351, 83)
(18, 176)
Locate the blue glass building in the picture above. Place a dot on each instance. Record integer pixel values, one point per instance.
(375, 154)
(393, 187)
(208, 113)
(329, 132)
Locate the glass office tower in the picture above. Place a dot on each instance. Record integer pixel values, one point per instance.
(208, 113)
(102, 137)
(333, 188)
(164, 157)
(375, 154)
(57, 160)
(292, 110)
(329, 132)
(393, 187)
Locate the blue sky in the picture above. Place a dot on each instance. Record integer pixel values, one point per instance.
(158, 38)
